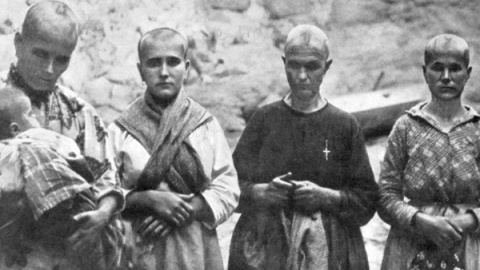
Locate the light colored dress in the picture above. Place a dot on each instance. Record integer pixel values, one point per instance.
(431, 170)
(196, 245)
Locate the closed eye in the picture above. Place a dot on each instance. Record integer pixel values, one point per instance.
(62, 60)
(153, 62)
(40, 53)
(455, 68)
(293, 64)
(312, 66)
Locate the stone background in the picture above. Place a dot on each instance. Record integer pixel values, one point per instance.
(375, 44)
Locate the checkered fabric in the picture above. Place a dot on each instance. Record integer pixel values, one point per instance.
(49, 180)
(428, 165)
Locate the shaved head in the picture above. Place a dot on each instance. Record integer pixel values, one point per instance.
(50, 18)
(447, 44)
(165, 34)
(307, 36)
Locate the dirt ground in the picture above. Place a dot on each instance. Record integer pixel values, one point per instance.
(374, 233)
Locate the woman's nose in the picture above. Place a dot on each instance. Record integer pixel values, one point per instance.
(164, 70)
(302, 75)
(445, 75)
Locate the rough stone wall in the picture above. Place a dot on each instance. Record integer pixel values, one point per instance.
(375, 44)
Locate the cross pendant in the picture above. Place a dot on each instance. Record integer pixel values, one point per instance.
(326, 151)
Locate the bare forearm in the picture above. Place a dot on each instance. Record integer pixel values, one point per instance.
(201, 210)
(138, 199)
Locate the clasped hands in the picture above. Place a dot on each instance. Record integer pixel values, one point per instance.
(445, 232)
(283, 190)
(170, 210)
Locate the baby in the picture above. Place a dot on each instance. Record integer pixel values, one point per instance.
(44, 182)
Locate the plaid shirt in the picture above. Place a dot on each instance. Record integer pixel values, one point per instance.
(428, 165)
(45, 174)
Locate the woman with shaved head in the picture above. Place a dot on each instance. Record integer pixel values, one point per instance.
(430, 178)
(174, 164)
(43, 48)
(307, 185)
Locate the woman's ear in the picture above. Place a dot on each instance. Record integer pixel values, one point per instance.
(18, 42)
(187, 65)
(139, 67)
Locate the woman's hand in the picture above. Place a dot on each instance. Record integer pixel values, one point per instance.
(170, 206)
(440, 230)
(92, 223)
(153, 227)
(309, 197)
(466, 222)
(275, 193)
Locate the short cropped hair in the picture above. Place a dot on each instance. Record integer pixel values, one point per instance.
(165, 33)
(13, 103)
(308, 35)
(43, 10)
(447, 40)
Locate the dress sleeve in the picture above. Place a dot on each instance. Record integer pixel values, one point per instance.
(223, 193)
(246, 156)
(359, 197)
(96, 144)
(129, 160)
(392, 208)
(11, 180)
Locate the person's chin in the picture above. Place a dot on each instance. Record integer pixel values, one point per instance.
(448, 96)
(448, 93)
(166, 94)
(42, 85)
(304, 93)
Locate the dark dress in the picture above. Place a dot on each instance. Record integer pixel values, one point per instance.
(325, 147)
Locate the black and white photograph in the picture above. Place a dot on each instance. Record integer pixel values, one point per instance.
(239, 135)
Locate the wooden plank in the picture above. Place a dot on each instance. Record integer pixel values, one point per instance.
(377, 111)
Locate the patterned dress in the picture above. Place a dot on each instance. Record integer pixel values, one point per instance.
(435, 171)
(62, 111)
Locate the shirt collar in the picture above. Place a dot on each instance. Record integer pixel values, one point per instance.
(288, 101)
(417, 111)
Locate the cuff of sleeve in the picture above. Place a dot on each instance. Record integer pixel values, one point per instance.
(246, 198)
(406, 216)
(343, 201)
(119, 195)
(211, 201)
(476, 215)
(412, 219)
